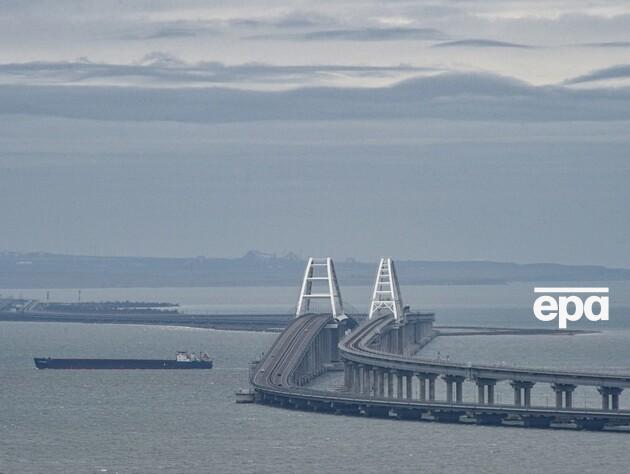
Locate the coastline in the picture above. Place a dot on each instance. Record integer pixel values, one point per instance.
(227, 322)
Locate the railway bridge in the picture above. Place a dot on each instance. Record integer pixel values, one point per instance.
(384, 377)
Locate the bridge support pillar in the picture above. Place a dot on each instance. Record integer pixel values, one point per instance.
(432, 378)
(380, 382)
(399, 384)
(409, 385)
(390, 384)
(449, 391)
(367, 380)
(485, 386)
(459, 390)
(528, 396)
(356, 384)
(393, 341)
(317, 349)
(605, 399)
(361, 377)
(324, 350)
(422, 386)
(374, 381)
(458, 380)
(568, 395)
(522, 393)
(615, 400)
(558, 399)
(610, 397)
(347, 375)
(332, 342)
(567, 390)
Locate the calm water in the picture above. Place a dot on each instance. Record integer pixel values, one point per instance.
(170, 421)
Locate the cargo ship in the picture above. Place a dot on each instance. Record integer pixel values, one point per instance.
(183, 360)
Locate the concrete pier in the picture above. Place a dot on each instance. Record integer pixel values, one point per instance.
(457, 381)
(347, 376)
(406, 337)
(610, 397)
(399, 385)
(459, 389)
(522, 393)
(422, 386)
(485, 386)
(567, 390)
(367, 384)
(380, 382)
(431, 378)
(449, 388)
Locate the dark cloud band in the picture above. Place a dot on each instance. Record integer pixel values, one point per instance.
(447, 96)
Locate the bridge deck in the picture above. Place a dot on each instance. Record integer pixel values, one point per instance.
(273, 382)
(356, 348)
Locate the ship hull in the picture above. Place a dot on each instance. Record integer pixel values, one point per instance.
(120, 364)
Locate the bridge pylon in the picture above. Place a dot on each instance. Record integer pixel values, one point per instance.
(320, 283)
(386, 297)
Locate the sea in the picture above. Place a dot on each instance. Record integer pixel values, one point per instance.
(188, 421)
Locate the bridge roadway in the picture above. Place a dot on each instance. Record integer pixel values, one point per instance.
(356, 349)
(274, 383)
(276, 369)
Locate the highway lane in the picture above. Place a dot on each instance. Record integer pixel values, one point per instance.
(284, 356)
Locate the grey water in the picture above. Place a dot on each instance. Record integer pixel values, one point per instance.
(187, 421)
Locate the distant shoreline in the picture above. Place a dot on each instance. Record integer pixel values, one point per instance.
(43, 271)
(252, 322)
(228, 322)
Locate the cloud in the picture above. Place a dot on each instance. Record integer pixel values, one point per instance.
(480, 43)
(621, 71)
(159, 68)
(362, 34)
(172, 29)
(608, 44)
(299, 19)
(183, 28)
(449, 96)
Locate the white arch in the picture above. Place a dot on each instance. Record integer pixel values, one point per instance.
(320, 269)
(386, 295)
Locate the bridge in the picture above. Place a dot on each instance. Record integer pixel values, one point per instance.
(383, 376)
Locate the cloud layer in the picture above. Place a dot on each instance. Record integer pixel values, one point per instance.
(278, 119)
(621, 71)
(362, 34)
(445, 96)
(515, 38)
(479, 43)
(164, 69)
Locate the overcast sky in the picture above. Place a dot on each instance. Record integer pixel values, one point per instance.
(478, 129)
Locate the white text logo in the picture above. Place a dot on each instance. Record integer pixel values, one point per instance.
(568, 306)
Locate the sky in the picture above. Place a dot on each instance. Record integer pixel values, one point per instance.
(438, 130)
